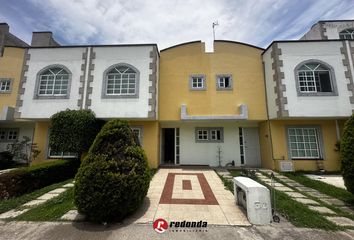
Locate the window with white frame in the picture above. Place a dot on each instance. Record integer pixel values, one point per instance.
(224, 82)
(304, 142)
(138, 134)
(53, 154)
(209, 134)
(197, 82)
(347, 34)
(314, 78)
(53, 81)
(5, 85)
(121, 80)
(9, 134)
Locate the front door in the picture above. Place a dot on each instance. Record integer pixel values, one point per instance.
(251, 147)
(168, 146)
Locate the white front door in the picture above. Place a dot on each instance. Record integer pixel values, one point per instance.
(251, 147)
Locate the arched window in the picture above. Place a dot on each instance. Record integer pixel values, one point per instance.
(121, 80)
(315, 78)
(347, 33)
(53, 82)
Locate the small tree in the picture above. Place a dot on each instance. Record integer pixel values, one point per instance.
(347, 154)
(73, 131)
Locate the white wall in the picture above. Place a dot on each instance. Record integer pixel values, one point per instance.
(139, 57)
(334, 28)
(270, 84)
(39, 59)
(315, 106)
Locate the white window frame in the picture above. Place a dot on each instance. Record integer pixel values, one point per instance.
(318, 142)
(214, 134)
(210, 133)
(347, 34)
(61, 155)
(220, 82)
(7, 134)
(5, 83)
(197, 82)
(202, 135)
(58, 81)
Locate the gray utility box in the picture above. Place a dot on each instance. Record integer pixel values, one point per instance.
(255, 199)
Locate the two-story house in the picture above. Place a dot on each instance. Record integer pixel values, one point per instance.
(12, 52)
(211, 104)
(310, 94)
(114, 81)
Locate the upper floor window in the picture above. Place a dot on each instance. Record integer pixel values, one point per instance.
(197, 82)
(121, 81)
(315, 78)
(53, 82)
(347, 34)
(5, 85)
(223, 82)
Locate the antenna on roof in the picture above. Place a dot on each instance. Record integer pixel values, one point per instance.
(214, 25)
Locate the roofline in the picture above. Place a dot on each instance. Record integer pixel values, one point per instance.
(300, 41)
(324, 21)
(94, 45)
(181, 44)
(43, 32)
(242, 43)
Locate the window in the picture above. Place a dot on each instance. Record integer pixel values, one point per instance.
(53, 82)
(121, 81)
(53, 154)
(209, 135)
(223, 82)
(315, 78)
(138, 131)
(9, 134)
(5, 85)
(197, 82)
(347, 34)
(304, 142)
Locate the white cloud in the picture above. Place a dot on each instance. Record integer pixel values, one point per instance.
(172, 22)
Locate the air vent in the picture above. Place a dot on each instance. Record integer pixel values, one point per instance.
(286, 166)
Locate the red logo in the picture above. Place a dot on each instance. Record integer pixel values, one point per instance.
(160, 225)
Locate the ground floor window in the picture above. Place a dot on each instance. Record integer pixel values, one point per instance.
(138, 131)
(209, 134)
(9, 134)
(304, 142)
(53, 154)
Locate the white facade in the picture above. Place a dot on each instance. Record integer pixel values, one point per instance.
(324, 30)
(138, 57)
(40, 58)
(294, 53)
(87, 66)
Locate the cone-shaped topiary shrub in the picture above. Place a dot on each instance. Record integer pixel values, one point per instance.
(114, 177)
(347, 154)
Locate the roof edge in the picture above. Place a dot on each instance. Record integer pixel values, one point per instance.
(181, 44)
(242, 43)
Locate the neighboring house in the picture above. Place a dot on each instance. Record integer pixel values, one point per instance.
(114, 81)
(332, 29)
(12, 52)
(211, 102)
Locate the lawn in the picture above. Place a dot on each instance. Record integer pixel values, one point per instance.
(12, 203)
(297, 213)
(51, 210)
(325, 188)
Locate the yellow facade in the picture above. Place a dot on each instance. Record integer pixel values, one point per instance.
(11, 67)
(274, 144)
(243, 62)
(150, 140)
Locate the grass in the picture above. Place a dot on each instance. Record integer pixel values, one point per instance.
(297, 213)
(12, 203)
(52, 210)
(322, 187)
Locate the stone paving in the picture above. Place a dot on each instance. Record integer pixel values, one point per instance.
(208, 200)
(40, 200)
(300, 194)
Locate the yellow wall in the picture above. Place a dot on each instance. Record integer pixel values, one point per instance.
(11, 67)
(328, 130)
(150, 140)
(265, 146)
(243, 62)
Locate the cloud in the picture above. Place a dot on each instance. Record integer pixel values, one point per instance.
(172, 22)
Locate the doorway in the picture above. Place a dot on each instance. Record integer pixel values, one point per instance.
(249, 147)
(168, 146)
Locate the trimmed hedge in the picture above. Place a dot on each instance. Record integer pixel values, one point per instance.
(347, 154)
(28, 179)
(114, 178)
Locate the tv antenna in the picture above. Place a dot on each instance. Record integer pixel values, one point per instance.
(214, 25)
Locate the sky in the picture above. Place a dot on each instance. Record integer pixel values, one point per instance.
(169, 22)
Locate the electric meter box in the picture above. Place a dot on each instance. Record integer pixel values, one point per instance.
(255, 199)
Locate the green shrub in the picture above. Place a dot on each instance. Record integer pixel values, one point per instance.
(27, 179)
(114, 177)
(73, 131)
(347, 154)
